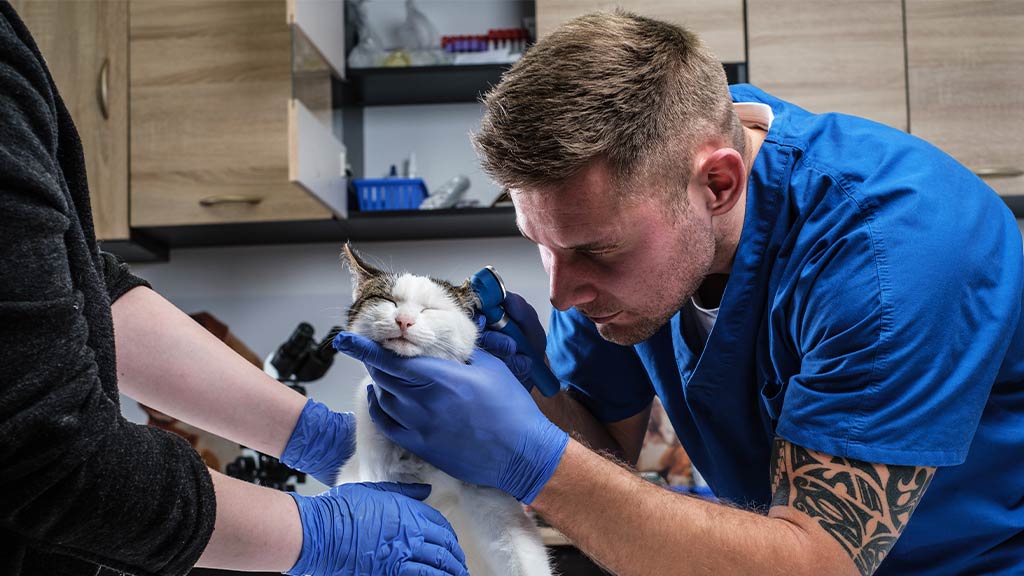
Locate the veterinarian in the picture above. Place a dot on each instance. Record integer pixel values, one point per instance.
(82, 490)
(829, 309)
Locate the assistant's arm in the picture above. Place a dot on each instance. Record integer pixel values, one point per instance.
(257, 528)
(829, 516)
(169, 362)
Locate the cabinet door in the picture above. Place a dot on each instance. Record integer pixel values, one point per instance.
(85, 44)
(841, 56)
(316, 158)
(210, 92)
(966, 61)
(719, 22)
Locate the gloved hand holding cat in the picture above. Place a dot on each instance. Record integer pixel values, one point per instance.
(375, 528)
(322, 441)
(474, 421)
(344, 529)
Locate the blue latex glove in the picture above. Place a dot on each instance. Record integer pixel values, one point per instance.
(375, 528)
(474, 421)
(322, 441)
(504, 347)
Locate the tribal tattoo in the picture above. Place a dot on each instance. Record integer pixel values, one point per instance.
(864, 506)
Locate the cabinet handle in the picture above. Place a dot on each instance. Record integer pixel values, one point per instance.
(103, 87)
(230, 199)
(999, 172)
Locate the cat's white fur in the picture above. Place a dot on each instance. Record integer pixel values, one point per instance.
(498, 537)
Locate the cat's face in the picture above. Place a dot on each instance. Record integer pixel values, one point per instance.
(411, 315)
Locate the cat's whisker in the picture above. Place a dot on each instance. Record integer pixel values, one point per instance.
(331, 334)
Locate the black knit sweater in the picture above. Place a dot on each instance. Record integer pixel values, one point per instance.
(80, 487)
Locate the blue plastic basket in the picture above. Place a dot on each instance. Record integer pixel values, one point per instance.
(389, 193)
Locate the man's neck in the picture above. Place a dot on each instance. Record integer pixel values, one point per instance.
(710, 292)
(755, 137)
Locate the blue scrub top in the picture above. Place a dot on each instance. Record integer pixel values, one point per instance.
(872, 312)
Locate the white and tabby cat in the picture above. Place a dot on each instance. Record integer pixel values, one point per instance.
(420, 316)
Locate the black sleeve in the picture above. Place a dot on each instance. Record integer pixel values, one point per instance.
(119, 279)
(76, 478)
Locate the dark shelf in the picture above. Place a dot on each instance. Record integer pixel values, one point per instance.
(246, 233)
(428, 224)
(416, 84)
(360, 226)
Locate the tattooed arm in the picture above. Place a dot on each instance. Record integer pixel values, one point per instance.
(829, 516)
(863, 506)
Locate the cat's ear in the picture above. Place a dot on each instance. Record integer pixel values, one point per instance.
(467, 298)
(361, 271)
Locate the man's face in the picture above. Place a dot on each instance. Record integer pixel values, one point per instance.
(628, 265)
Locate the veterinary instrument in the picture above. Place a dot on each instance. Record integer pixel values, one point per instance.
(490, 290)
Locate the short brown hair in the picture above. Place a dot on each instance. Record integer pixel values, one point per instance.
(638, 93)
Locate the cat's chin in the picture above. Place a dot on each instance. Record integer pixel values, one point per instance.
(402, 347)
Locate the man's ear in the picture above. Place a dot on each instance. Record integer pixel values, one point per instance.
(724, 174)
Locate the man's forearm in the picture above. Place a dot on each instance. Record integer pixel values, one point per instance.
(636, 528)
(256, 528)
(170, 363)
(569, 415)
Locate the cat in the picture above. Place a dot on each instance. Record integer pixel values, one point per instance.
(421, 316)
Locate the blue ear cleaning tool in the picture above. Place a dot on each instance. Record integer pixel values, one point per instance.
(491, 291)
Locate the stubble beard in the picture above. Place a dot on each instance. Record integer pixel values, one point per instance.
(685, 280)
(646, 324)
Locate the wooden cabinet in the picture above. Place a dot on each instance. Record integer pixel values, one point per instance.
(844, 56)
(85, 44)
(222, 118)
(965, 64)
(211, 115)
(719, 22)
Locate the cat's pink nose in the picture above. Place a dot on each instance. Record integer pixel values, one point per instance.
(403, 323)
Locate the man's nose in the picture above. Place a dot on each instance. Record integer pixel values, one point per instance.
(568, 285)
